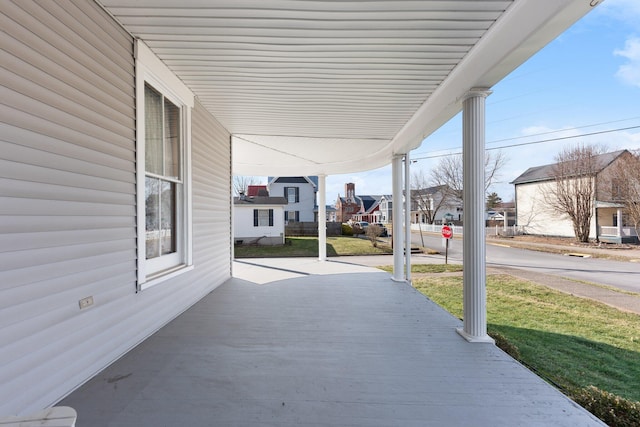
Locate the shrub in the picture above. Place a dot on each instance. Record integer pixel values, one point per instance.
(613, 410)
(503, 343)
(373, 232)
(347, 230)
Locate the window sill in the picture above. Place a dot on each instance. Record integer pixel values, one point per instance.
(164, 275)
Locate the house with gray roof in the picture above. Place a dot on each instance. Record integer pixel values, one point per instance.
(259, 220)
(535, 216)
(300, 192)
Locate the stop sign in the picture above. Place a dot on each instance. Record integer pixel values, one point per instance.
(447, 232)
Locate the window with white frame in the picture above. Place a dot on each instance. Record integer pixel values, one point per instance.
(163, 174)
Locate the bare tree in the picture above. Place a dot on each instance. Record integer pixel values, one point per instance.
(449, 172)
(572, 192)
(428, 199)
(242, 182)
(625, 186)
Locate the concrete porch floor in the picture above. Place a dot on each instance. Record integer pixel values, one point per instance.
(296, 342)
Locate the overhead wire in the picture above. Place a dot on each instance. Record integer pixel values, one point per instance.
(533, 142)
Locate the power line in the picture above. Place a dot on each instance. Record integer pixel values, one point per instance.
(533, 142)
(562, 130)
(547, 133)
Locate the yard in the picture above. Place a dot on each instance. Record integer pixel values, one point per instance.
(571, 342)
(308, 247)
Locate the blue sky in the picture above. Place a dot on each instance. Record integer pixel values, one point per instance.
(585, 81)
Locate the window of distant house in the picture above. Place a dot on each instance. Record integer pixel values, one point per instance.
(292, 216)
(616, 190)
(263, 217)
(292, 194)
(163, 160)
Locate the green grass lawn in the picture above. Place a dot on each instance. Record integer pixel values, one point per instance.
(570, 341)
(308, 246)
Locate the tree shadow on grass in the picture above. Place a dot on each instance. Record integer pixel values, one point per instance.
(569, 361)
(331, 251)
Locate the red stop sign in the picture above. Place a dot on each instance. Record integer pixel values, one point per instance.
(447, 232)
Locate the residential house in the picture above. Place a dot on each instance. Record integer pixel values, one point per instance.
(534, 215)
(435, 205)
(496, 215)
(259, 220)
(386, 208)
(369, 209)
(330, 213)
(300, 193)
(116, 153)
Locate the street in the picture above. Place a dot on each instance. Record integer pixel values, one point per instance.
(618, 274)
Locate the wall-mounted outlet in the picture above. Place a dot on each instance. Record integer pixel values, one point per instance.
(85, 302)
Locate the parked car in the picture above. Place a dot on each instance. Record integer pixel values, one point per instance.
(359, 227)
(383, 231)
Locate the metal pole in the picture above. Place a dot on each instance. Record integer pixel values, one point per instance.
(407, 215)
(322, 218)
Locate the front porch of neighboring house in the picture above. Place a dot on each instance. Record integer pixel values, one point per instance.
(611, 229)
(290, 342)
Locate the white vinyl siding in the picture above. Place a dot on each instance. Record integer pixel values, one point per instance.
(68, 203)
(301, 198)
(249, 231)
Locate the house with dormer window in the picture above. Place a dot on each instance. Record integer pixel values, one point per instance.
(300, 194)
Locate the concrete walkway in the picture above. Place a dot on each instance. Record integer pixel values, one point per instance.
(617, 299)
(296, 342)
(614, 298)
(622, 253)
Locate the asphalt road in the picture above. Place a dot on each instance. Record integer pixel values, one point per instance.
(619, 274)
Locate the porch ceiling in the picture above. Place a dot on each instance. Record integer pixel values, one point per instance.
(325, 86)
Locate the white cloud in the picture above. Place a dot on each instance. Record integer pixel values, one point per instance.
(629, 73)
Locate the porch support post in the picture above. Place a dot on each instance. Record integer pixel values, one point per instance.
(619, 223)
(322, 218)
(407, 216)
(474, 274)
(398, 245)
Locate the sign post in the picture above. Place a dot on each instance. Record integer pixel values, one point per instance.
(447, 233)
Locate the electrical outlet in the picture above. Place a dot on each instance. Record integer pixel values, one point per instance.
(85, 302)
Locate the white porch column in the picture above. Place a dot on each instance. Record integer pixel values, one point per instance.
(322, 218)
(619, 222)
(407, 216)
(474, 275)
(398, 246)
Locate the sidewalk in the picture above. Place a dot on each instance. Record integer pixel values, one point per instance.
(617, 299)
(621, 254)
